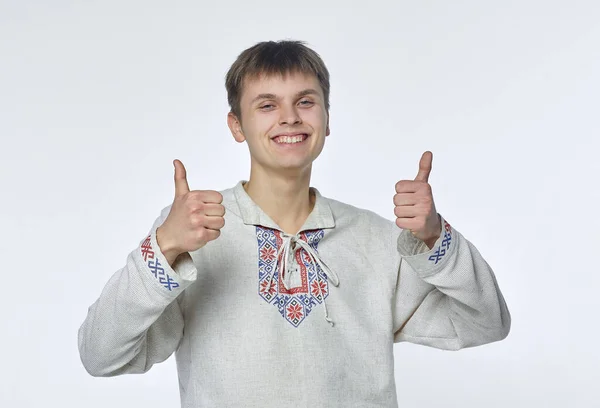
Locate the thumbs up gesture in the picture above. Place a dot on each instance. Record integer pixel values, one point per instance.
(415, 209)
(196, 217)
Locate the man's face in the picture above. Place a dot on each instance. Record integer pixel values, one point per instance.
(283, 120)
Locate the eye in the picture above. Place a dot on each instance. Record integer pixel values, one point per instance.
(266, 106)
(306, 102)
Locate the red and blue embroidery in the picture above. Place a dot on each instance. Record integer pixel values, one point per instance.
(445, 246)
(295, 303)
(155, 266)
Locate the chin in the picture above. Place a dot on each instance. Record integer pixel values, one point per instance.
(293, 165)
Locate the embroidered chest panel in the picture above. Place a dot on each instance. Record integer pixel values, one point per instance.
(294, 303)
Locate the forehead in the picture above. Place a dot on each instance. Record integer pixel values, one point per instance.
(279, 85)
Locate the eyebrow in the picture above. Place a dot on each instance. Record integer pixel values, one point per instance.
(273, 96)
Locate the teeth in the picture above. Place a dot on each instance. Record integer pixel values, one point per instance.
(289, 139)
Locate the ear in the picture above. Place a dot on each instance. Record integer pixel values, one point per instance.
(235, 127)
(327, 131)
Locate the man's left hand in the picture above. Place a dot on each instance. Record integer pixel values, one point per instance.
(415, 208)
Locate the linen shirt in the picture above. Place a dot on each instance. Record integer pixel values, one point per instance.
(260, 318)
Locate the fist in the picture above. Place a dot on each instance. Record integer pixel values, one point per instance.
(415, 209)
(196, 218)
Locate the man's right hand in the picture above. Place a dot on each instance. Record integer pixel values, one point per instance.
(196, 217)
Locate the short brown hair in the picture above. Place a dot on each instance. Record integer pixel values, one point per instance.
(269, 58)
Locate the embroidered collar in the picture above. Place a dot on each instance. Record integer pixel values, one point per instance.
(320, 218)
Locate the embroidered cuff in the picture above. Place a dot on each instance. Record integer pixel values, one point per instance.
(422, 259)
(167, 280)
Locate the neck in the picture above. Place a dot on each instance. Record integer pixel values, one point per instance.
(285, 198)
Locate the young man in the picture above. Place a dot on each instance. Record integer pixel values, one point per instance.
(271, 294)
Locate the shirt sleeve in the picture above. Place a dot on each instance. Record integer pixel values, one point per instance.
(137, 320)
(447, 297)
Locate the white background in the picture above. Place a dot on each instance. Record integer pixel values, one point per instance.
(98, 97)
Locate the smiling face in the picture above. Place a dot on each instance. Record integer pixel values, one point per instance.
(283, 120)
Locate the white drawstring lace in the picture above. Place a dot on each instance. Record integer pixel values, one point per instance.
(285, 274)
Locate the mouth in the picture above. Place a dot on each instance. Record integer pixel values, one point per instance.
(291, 139)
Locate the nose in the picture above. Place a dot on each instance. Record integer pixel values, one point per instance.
(289, 116)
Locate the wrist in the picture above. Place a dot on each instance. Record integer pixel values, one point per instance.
(431, 242)
(167, 248)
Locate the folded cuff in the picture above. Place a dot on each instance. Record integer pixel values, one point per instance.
(423, 260)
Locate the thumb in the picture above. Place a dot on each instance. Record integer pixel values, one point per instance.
(425, 167)
(181, 184)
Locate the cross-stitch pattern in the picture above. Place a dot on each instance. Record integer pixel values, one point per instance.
(444, 246)
(296, 303)
(155, 266)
